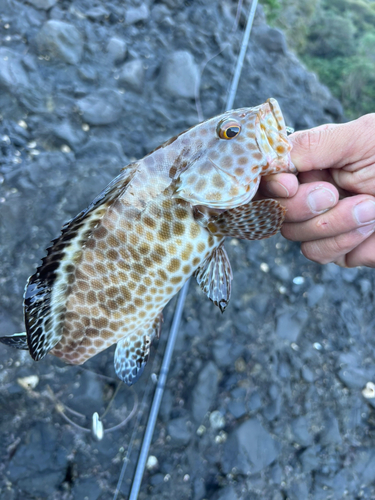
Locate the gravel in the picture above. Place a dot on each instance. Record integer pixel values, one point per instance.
(264, 401)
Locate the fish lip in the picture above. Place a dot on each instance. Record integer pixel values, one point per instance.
(292, 167)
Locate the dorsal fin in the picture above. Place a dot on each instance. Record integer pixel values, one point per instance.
(45, 292)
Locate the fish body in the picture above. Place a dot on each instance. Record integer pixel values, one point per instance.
(107, 278)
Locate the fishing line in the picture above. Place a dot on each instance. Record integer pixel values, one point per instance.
(151, 422)
(198, 103)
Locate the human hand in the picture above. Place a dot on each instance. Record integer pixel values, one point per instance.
(332, 210)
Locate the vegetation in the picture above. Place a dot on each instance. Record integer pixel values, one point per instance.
(336, 39)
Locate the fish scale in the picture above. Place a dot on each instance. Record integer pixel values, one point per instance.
(107, 278)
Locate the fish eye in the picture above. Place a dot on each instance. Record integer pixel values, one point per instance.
(228, 129)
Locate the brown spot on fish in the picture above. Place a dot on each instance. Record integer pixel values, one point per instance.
(112, 254)
(149, 222)
(243, 160)
(165, 232)
(174, 265)
(194, 230)
(176, 279)
(178, 228)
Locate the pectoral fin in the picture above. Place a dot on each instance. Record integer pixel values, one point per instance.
(132, 352)
(254, 221)
(215, 276)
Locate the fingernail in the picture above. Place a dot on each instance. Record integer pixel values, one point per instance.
(366, 229)
(274, 189)
(365, 212)
(321, 199)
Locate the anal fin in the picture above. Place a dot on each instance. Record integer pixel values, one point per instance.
(214, 277)
(254, 221)
(132, 352)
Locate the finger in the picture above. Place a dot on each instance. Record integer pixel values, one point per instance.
(355, 212)
(363, 254)
(315, 176)
(333, 249)
(279, 185)
(309, 201)
(361, 180)
(333, 145)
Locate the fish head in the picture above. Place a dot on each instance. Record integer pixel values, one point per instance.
(242, 146)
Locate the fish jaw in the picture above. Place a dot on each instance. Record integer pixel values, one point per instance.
(273, 139)
(227, 172)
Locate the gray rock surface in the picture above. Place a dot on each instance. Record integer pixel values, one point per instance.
(180, 75)
(249, 449)
(116, 49)
(132, 75)
(290, 382)
(61, 40)
(101, 108)
(205, 391)
(43, 4)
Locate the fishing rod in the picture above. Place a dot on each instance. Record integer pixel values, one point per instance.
(151, 422)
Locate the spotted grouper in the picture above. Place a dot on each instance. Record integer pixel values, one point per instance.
(107, 278)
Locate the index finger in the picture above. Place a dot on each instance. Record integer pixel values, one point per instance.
(332, 145)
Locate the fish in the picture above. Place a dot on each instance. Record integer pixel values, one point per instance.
(107, 278)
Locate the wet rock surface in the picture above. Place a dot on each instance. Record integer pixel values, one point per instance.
(262, 402)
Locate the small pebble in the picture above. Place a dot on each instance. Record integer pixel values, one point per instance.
(28, 383)
(298, 280)
(152, 463)
(369, 391)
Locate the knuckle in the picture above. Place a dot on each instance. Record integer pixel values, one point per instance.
(312, 251)
(368, 120)
(308, 140)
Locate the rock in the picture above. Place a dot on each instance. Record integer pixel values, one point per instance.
(135, 14)
(43, 4)
(298, 490)
(69, 134)
(353, 377)
(249, 449)
(273, 40)
(39, 464)
(237, 408)
(228, 493)
(255, 401)
(180, 75)
(132, 75)
(282, 273)
(180, 431)
(116, 49)
(204, 392)
(86, 488)
(364, 466)
(97, 13)
(330, 433)
(12, 73)
(310, 459)
(314, 294)
(290, 324)
(101, 108)
(301, 432)
(99, 148)
(61, 40)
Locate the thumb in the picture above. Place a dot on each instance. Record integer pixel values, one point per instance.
(332, 145)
